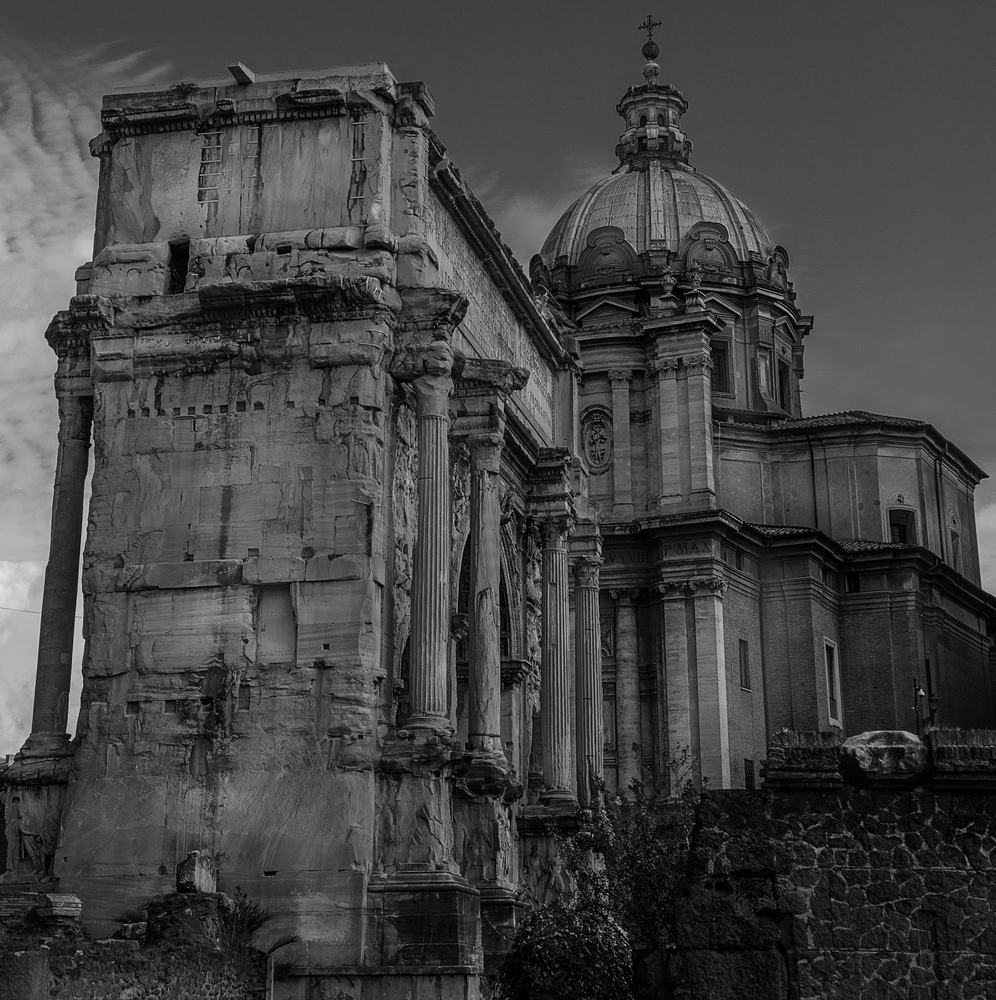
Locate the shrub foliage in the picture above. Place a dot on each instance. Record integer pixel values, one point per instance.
(609, 935)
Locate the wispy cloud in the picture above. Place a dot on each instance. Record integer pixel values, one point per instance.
(525, 217)
(49, 110)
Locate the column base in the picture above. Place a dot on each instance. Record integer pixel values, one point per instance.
(423, 918)
(486, 772)
(437, 725)
(559, 800)
(46, 745)
(501, 910)
(34, 792)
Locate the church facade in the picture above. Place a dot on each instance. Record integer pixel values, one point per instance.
(393, 549)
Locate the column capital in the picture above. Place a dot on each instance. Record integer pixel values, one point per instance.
(485, 449)
(620, 375)
(586, 571)
(555, 529)
(715, 585)
(625, 594)
(698, 364)
(432, 395)
(663, 367)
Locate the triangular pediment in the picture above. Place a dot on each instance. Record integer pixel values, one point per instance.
(607, 306)
(722, 304)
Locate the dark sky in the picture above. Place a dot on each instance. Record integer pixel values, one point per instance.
(861, 133)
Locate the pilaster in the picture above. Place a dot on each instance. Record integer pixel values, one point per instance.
(699, 368)
(696, 639)
(668, 484)
(628, 732)
(622, 469)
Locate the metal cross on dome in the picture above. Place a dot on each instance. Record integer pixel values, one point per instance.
(649, 26)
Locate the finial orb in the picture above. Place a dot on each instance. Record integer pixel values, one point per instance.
(651, 50)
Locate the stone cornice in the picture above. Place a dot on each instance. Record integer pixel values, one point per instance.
(497, 260)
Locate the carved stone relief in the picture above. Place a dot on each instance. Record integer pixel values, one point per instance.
(534, 598)
(596, 439)
(404, 492)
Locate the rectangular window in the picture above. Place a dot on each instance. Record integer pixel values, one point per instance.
(764, 373)
(722, 376)
(209, 177)
(750, 782)
(784, 386)
(833, 683)
(902, 527)
(745, 664)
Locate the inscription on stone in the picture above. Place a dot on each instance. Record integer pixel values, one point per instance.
(646, 556)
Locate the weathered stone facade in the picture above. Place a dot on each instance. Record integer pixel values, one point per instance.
(391, 551)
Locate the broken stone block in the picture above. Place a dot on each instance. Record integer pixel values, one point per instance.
(196, 873)
(883, 757)
(59, 907)
(187, 918)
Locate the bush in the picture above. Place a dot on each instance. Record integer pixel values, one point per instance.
(610, 936)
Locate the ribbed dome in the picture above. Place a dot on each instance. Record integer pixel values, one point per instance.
(655, 205)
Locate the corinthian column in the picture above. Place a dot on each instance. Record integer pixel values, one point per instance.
(629, 736)
(555, 706)
(622, 472)
(50, 714)
(588, 675)
(484, 708)
(430, 570)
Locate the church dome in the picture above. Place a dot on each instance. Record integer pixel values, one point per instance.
(654, 199)
(655, 203)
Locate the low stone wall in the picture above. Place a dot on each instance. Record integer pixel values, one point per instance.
(121, 970)
(44, 953)
(863, 869)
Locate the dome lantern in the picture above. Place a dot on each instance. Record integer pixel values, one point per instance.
(651, 113)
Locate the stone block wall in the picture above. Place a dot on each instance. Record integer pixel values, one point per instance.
(862, 869)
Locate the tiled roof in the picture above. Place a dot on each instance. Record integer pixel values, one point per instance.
(849, 418)
(779, 530)
(863, 545)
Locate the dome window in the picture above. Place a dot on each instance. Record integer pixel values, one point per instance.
(643, 121)
(660, 120)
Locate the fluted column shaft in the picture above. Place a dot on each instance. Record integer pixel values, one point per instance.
(555, 708)
(622, 474)
(484, 707)
(53, 676)
(588, 676)
(629, 736)
(430, 570)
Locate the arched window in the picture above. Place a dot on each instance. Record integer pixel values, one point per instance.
(643, 121)
(660, 120)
